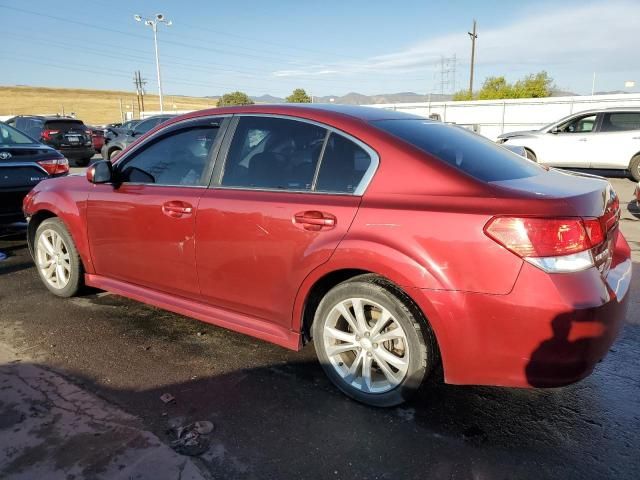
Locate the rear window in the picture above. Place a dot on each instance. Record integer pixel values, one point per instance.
(10, 136)
(63, 124)
(620, 122)
(464, 150)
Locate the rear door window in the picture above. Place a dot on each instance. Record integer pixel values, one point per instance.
(273, 153)
(620, 121)
(466, 151)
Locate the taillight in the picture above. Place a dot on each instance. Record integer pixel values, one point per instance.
(553, 244)
(47, 134)
(56, 166)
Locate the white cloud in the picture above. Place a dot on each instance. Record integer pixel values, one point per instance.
(588, 37)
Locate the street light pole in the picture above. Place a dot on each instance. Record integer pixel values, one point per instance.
(159, 18)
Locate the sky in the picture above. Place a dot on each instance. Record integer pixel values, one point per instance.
(328, 48)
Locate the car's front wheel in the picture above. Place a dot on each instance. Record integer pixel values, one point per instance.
(113, 153)
(57, 259)
(371, 341)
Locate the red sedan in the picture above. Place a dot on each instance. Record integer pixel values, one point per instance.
(392, 242)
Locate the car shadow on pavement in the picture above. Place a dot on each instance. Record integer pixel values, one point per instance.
(288, 421)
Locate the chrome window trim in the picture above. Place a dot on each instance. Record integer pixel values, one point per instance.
(182, 123)
(358, 191)
(167, 129)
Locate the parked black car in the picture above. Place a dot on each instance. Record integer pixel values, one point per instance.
(119, 143)
(69, 136)
(24, 162)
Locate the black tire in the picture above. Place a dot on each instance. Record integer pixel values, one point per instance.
(76, 270)
(83, 162)
(530, 155)
(634, 168)
(112, 153)
(422, 347)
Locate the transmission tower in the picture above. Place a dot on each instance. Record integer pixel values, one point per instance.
(447, 74)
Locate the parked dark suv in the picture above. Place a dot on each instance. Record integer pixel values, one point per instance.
(69, 136)
(114, 146)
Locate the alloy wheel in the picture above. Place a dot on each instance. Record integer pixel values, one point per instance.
(366, 345)
(53, 258)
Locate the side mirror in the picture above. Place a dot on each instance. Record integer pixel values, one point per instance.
(132, 133)
(554, 130)
(100, 172)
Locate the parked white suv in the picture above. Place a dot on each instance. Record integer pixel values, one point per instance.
(608, 138)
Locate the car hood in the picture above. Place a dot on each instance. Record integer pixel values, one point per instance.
(521, 133)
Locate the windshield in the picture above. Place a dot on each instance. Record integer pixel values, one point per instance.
(468, 152)
(11, 136)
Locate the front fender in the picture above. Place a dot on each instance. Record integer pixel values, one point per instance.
(65, 198)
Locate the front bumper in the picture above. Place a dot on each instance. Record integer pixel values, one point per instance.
(550, 330)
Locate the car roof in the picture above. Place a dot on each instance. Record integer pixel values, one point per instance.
(364, 113)
(609, 110)
(49, 117)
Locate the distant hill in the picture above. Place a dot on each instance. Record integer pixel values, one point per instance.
(266, 98)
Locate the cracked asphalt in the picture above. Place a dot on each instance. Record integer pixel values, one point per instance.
(275, 414)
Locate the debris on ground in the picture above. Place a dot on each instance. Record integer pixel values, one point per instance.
(192, 439)
(167, 398)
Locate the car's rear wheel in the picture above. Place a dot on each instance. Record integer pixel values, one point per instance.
(114, 153)
(530, 155)
(634, 168)
(57, 259)
(371, 341)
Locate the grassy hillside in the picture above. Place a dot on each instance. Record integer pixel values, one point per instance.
(92, 106)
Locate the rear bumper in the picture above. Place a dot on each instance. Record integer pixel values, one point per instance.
(74, 153)
(551, 330)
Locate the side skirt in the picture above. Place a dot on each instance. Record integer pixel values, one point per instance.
(216, 316)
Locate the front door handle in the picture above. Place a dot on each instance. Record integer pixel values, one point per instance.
(177, 209)
(582, 139)
(314, 220)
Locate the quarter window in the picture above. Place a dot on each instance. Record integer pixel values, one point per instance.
(180, 158)
(343, 165)
(275, 153)
(620, 122)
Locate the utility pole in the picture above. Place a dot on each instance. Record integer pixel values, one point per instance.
(159, 18)
(473, 36)
(139, 84)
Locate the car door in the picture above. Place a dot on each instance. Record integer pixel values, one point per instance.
(141, 229)
(565, 145)
(616, 141)
(284, 195)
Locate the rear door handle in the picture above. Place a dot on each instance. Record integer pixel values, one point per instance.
(314, 220)
(177, 209)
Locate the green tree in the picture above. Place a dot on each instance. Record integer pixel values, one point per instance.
(299, 96)
(495, 87)
(234, 98)
(532, 86)
(462, 95)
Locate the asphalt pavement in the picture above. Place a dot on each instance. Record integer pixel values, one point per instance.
(274, 412)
